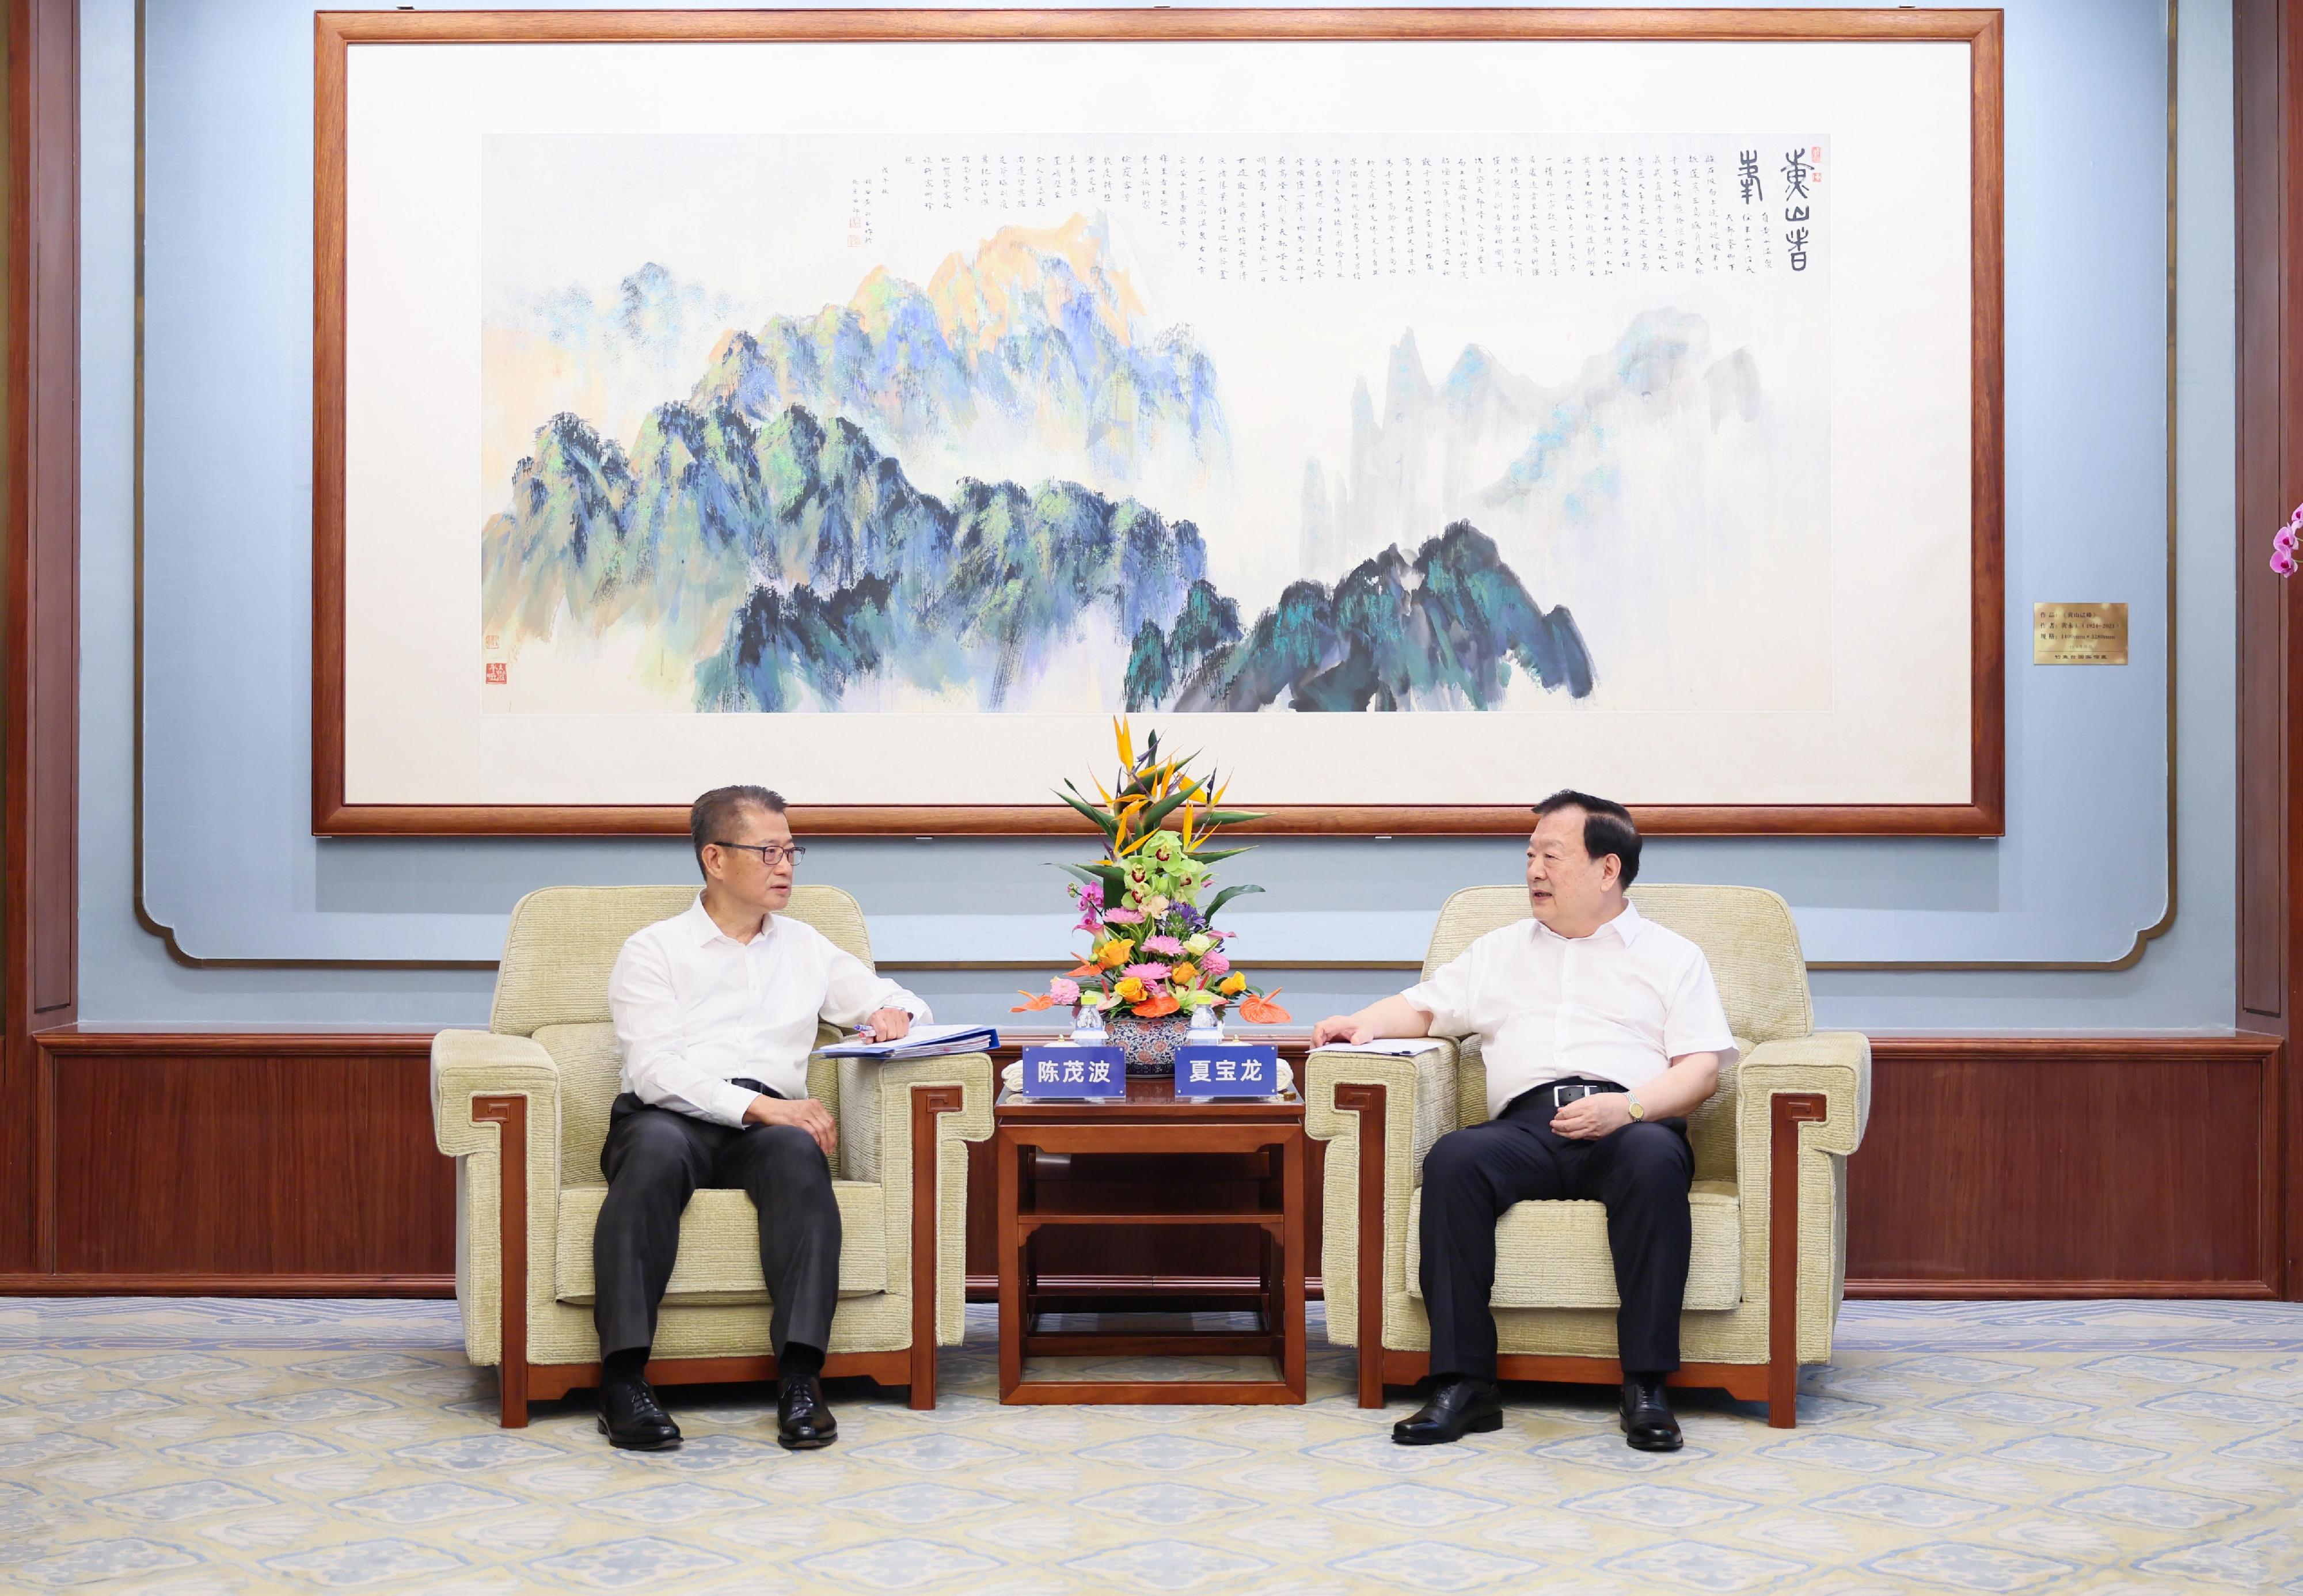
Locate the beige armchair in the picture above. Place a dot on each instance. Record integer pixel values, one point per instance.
(522, 1107)
(1769, 1195)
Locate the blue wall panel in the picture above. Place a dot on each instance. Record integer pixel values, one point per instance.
(232, 868)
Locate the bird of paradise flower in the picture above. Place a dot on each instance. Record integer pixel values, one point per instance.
(1153, 950)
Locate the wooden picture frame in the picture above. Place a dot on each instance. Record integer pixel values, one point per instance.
(334, 812)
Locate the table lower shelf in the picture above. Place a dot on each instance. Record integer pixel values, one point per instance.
(1149, 1393)
(1235, 1362)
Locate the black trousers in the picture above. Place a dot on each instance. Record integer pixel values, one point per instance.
(654, 1159)
(1472, 1176)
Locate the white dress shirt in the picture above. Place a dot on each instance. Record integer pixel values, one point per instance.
(693, 1007)
(1618, 1005)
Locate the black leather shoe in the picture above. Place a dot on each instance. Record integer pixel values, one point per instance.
(1645, 1416)
(1458, 1405)
(803, 1422)
(632, 1418)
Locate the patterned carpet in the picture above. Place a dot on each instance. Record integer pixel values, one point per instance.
(196, 1446)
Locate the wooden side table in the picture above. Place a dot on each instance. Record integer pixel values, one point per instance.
(1153, 1121)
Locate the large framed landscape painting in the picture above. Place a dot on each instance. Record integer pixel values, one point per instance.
(1417, 410)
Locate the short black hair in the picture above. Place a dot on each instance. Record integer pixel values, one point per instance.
(1608, 828)
(711, 816)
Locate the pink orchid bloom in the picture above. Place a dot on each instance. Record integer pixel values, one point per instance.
(2284, 540)
(2283, 562)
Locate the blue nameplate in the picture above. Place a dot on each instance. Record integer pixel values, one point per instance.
(1075, 1072)
(1228, 1070)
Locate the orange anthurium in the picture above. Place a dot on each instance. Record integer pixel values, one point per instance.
(1087, 967)
(1263, 1011)
(1165, 1003)
(1033, 1002)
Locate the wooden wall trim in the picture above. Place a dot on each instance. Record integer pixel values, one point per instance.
(2267, 90)
(1992, 1167)
(2051, 1166)
(39, 720)
(201, 1162)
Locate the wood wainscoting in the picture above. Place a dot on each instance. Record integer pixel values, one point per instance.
(2094, 1166)
(191, 1162)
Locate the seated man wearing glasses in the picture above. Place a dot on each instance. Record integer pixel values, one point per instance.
(716, 1013)
(1599, 1031)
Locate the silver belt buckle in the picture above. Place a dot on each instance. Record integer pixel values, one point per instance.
(1561, 1096)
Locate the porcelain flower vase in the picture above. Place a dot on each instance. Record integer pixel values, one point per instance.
(1149, 1045)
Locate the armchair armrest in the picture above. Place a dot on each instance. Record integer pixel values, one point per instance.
(495, 1109)
(904, 1124)
(1835, 1065)
(1381, 1113)
(468, 1064)
(1800, 1108)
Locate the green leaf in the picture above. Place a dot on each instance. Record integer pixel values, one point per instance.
(1103, 821)
(1208, 856)
(1227, 817)
(1167, 805)
(1226, 896)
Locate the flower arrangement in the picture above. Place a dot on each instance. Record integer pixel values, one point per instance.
(2283, 544)
(1153, 952)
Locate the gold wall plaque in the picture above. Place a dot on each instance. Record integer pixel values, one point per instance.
(2079, 634)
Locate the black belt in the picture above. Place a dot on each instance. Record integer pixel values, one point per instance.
(1559, 1094)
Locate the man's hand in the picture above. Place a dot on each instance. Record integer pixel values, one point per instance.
(1588, 1118)
(1347, 1029)
(885, 1025)
(1386, 1016)
(808, 1114)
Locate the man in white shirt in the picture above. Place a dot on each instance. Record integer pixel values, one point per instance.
(716, 1012)
(1600, 1031)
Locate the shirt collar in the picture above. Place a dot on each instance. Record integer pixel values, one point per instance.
(1625, 927)
(703, 927)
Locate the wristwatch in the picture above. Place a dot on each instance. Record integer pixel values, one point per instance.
(1638, 1110)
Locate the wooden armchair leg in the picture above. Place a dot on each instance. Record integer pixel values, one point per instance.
(927, 1103)
(1790, 1111)
(1367, 1098)
(510, 1115)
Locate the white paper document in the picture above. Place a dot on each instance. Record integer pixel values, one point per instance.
(1403, 1047)
(920, 1042)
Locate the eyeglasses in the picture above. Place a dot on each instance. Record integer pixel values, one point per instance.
(771, 854)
